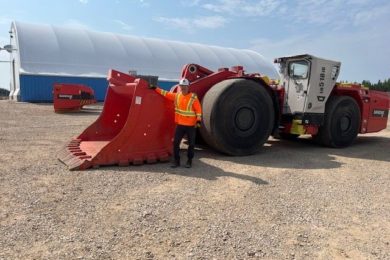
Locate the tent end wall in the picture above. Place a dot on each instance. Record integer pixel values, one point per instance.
(38, 88)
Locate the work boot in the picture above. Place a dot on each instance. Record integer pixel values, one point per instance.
(175, 164)
(189, 163)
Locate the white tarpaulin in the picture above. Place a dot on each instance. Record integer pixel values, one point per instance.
(53, 50)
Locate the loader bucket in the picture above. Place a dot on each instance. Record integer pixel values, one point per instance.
(136, 126)
(71, 97)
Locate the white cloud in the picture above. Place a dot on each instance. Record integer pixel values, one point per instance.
(180, 23)
(337, 13)
(124, 26)
(243, 7)
(84, 1)
(358, 52)
(73, 23)
(353, 32)
(207, 22)
(210, 22)
(358, 2)
(223, 6)
(366, 16)
(315, 12)
(143, 3)
(190, 2)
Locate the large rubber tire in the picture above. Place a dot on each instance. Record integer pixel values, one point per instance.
(342, 122)
(238, 116)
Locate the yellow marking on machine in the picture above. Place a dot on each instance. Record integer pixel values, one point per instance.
(297, 127)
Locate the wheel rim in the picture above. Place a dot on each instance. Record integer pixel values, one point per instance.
(244, 118)
(345, 123)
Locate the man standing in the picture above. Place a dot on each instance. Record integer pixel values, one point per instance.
(188, 116)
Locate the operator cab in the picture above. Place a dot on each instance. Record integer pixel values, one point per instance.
(308, 82)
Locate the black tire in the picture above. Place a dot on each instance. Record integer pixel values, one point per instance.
(342, 122)
(238, 116)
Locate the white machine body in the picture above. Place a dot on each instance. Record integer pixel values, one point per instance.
(308, 82)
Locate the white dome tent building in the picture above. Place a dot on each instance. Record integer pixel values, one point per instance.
(46, 54)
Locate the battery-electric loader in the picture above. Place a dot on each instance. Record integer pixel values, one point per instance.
(240, 112)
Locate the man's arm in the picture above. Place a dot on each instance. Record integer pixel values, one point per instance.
(164, 93)
(198, 110)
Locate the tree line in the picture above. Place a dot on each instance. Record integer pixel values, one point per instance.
(4, 92)
(381, 85)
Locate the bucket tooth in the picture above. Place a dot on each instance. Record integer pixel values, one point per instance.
(79, 153)
(151, 159)
(85, 157)
(138, 161)
(164, 157)
(124, 163)
(136, 126)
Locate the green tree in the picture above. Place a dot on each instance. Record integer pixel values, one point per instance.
(381, 85)
(367, 83)
(4, 92)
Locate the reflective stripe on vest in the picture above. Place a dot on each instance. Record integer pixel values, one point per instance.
(177, 100)
(189, 105)
(184, 112)
(188, 111)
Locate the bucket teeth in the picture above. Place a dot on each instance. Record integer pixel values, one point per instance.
(164, 157)
(151, 159)
(72, 156)
(138, 161)
(76, 159)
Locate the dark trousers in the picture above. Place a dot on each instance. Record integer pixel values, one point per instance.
(180, 131)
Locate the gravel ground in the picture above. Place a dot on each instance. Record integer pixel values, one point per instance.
(294, 200)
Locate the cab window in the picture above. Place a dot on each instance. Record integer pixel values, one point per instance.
(335, 72)
(298, 69)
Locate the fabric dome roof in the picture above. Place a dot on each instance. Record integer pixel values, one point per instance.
(53, 50)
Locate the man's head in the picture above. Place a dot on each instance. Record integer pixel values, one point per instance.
(184, 86)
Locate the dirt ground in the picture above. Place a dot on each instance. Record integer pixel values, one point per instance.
(293, 200)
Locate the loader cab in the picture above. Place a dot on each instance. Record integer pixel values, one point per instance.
(308, 82)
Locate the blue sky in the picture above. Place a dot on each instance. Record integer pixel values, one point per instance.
(355, 32)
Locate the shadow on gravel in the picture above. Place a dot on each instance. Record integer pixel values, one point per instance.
(301, 153)
(297, 154)
(209, 172)
(375, 148)
(199, 170)
(305, 154)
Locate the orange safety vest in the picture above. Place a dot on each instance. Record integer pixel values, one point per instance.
(187, 107)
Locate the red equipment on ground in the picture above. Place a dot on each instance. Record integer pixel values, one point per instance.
(135, 126)
(240, 112)
(71, 97)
